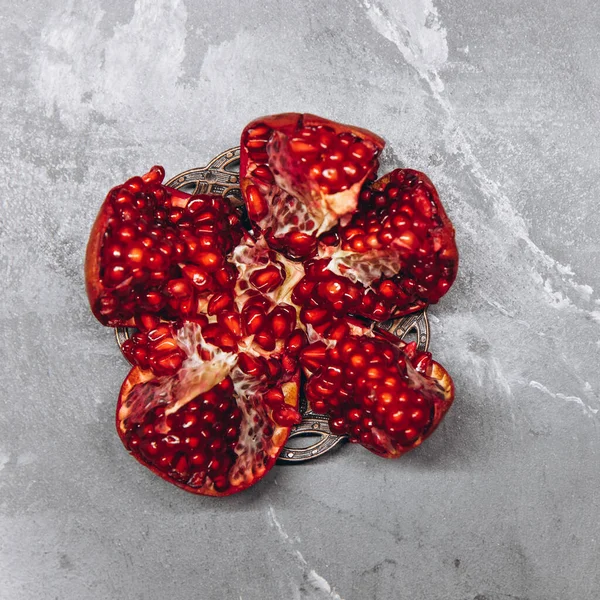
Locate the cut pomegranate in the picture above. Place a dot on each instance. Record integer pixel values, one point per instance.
(387, 397)
(158, 250)
(210, 428)
(212, 322)
(301, 174)
(396, 255)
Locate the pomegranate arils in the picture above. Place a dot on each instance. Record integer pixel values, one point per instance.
(389, 262)
(267, 279)
(188, 446)
(206, 426)
(297, 174)
(283, 320)
(373, 394)
(145, 255)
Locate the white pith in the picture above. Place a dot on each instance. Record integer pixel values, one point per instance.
(195, 377)
(365, 267)
(252, 255)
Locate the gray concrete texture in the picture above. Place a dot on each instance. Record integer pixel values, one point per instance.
(498, 102)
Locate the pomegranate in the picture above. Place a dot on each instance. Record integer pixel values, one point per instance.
(377, 250)
(396, 254)
(300, 174)
(213, 427)
(383, 394)
(227, 317)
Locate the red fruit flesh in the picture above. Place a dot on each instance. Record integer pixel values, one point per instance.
(376, 393)
(300, 174)
(200, 302)
(157, 250)
(400, 243)
(207, 428)
(396, 255)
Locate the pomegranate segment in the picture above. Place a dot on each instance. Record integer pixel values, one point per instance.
(396, 255)
(399, 246)
(384, 396)
(158, 250)
(210, 427)
(300, 174)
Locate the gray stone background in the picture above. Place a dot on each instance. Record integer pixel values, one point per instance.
(498, 102)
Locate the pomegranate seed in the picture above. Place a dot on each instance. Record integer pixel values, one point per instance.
(219, 302)
(231, 321)
(197, 276)
(167, 363)
(286, 416)
(263, 173)
(313, 316)
(253, 319)
(274, 368)
(296, 341)
(115, 274)
(274, 397)
(265, 340)
(179, 288)
(251, 365)
(209, 261)
(312, 356)
(283, 319)
(267, 279)
(256, 204)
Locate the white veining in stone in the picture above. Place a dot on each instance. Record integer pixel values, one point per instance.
(320, 588)
(587, 409)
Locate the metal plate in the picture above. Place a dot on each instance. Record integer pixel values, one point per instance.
(312, 438)
(220, 177)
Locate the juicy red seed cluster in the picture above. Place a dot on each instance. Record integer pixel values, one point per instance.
(403, 218)
(255, 140)
(325, 296)
(398, 218)
(156, 350)
(334, 161)
(196, 442)
(258, 317)
(159, 257)
(364, 387)
(154, 346)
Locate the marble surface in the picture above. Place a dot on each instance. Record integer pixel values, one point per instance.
(498, 102)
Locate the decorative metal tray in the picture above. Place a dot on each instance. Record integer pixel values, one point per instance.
(312, 438)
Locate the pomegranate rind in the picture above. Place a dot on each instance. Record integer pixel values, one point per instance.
(93, 286)
(252, 476)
